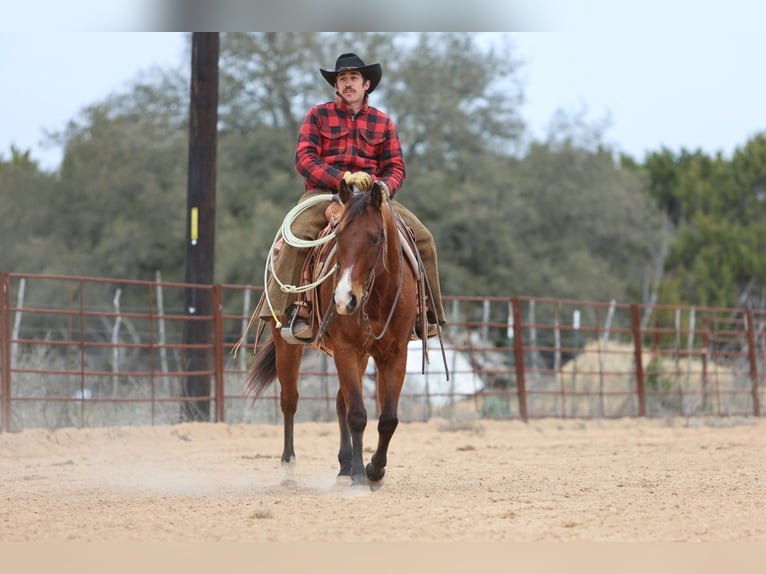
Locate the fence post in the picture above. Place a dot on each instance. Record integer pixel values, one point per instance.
(635, 315)
(5, 352)
(753, 361)
(518, 350)
(218, 346)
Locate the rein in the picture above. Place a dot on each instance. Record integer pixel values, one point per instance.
(371, 279)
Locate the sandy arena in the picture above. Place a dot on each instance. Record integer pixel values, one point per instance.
(625, 480)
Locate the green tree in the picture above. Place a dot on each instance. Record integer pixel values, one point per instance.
(586, 229)
(717, 206)
(26, 214)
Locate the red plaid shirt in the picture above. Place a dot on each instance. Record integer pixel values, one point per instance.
(332, 141)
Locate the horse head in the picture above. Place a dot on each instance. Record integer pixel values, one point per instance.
(361, 238)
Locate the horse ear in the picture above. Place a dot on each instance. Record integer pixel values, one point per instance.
(345, 192)
(377, 194)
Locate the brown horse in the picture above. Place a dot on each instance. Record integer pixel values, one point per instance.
(370, 309)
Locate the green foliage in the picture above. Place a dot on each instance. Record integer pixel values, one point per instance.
(717, 207)
(584, 227)
(122, 194)
(26, 217)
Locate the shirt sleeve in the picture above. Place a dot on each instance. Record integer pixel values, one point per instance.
(392, 169)
(308, 161)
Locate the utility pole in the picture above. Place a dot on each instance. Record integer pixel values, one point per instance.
(200, 224)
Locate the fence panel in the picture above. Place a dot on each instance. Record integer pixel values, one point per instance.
(82, 351)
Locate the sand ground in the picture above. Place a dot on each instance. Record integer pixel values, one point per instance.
(624, 480)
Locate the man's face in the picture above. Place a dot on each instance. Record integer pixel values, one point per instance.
(351, 86)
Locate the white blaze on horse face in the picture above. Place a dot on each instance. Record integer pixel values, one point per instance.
(344, 300)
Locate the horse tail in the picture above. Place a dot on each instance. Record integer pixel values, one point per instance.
(264, 369)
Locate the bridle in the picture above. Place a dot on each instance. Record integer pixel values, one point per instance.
(369, 280)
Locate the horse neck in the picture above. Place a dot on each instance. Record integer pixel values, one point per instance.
(389, 269)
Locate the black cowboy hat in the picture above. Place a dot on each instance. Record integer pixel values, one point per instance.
(350, 61)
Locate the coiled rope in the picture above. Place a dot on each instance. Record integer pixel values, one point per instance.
(286, 233)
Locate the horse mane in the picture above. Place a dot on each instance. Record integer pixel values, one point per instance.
(353, 209)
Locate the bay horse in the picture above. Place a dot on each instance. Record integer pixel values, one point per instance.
(370, 310)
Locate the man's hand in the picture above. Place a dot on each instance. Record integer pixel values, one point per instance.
(360, 179)
(384, 188)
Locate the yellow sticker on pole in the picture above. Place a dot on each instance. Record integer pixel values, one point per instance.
(194, 225)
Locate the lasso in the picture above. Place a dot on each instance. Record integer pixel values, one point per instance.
(285, 231)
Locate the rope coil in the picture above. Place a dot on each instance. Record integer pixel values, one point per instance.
(286, 233)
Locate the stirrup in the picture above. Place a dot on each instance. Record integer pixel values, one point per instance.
(432, 330)
(288, 330)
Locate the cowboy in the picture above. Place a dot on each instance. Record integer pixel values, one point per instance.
(347, 140)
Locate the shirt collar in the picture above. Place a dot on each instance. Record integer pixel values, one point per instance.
(341, 105)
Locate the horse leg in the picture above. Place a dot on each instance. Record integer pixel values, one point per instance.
(350, 382)
(389, 381)
(344, 453)
(288, 370)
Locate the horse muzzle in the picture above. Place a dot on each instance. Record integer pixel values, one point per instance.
(347, 304)
(345, 296)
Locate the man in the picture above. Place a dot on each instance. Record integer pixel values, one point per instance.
(347, 140)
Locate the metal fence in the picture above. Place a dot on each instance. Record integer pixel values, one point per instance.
(83, 351)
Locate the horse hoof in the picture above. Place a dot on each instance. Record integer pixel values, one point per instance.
(343, 480)
(375, 474)
(288, 472)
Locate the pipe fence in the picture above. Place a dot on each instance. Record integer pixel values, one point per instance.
(85, 351)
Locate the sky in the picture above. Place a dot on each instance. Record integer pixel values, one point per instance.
(660, 75)
(55, 75)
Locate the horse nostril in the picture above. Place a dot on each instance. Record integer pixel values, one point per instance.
(352, 302)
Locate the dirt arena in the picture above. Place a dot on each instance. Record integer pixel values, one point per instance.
(623, 480)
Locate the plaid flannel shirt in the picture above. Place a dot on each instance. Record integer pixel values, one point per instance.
(333, 140)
